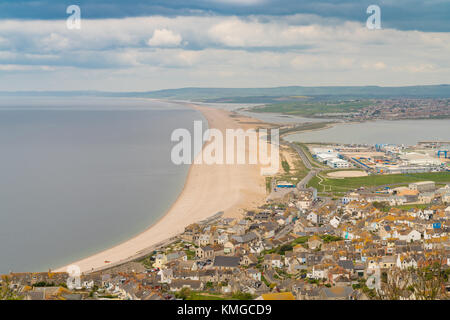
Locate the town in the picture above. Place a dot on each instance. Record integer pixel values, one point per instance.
(395, 109)
(305, 243)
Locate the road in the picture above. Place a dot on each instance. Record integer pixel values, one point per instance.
(312, 170)
(301, 153)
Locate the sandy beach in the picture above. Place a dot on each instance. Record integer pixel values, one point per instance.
(207, 190)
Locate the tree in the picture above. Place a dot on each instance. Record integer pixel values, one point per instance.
(382, 206)
(6, 293)
(424, 283)
(430, 282)
(396, 284)
(183, 293)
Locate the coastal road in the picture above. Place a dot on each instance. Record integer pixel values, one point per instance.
(301, 153)
(312, 170)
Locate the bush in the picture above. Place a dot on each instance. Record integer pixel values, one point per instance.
(183, 293)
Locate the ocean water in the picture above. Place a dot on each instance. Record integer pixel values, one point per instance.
(406, 132)
(80, 176)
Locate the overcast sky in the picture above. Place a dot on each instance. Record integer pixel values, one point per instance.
(150, 45)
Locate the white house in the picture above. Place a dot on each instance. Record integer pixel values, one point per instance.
(222, 239)
(204, 240)
(88, 284)
(335, 221)
(254, 274)
(414, 235)
(314, 218)
(273, 260)
(160, 260)
(426, 214)
(405, 262)
(318, 272)
(166, 275)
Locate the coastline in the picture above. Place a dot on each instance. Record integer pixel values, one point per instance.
(327, 126)
(208, 189)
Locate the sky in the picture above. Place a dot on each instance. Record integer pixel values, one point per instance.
(151, 45)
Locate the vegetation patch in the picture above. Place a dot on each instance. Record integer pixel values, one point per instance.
(310, 108)
(324, 184)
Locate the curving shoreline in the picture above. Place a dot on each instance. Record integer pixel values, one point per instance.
(208, 189)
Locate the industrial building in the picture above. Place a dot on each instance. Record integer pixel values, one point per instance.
(405, 169)
(419, 159)
(331, 158)
(338, 163)
(324, 157)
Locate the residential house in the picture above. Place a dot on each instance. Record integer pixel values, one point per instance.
(206, 252)
(314, 242)
(273, 260)
(177, 285)
(204, 240)
(336, 293)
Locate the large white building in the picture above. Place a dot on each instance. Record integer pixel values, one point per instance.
(330, 157)
(322, 150)
(419, 159)
(338, 163)
(324, 157)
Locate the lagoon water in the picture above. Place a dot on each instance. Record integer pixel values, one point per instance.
(268, 117)
(78, 176)
(407, 132)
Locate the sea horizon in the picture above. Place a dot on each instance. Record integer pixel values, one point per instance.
(82, 175)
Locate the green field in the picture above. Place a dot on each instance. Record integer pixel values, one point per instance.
(308, 108)
(326, 184)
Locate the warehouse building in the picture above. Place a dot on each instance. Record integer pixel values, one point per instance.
(338, 163)
(423, 186)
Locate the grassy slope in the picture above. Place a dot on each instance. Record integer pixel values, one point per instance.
(302, 108)
(345, 184)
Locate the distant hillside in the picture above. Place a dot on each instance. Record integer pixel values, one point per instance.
(263, 95)
(259, 94)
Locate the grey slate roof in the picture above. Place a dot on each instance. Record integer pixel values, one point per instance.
(226, 261)
(346, 264)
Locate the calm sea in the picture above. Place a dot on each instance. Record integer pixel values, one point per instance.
(80, 175)
(407, 132)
